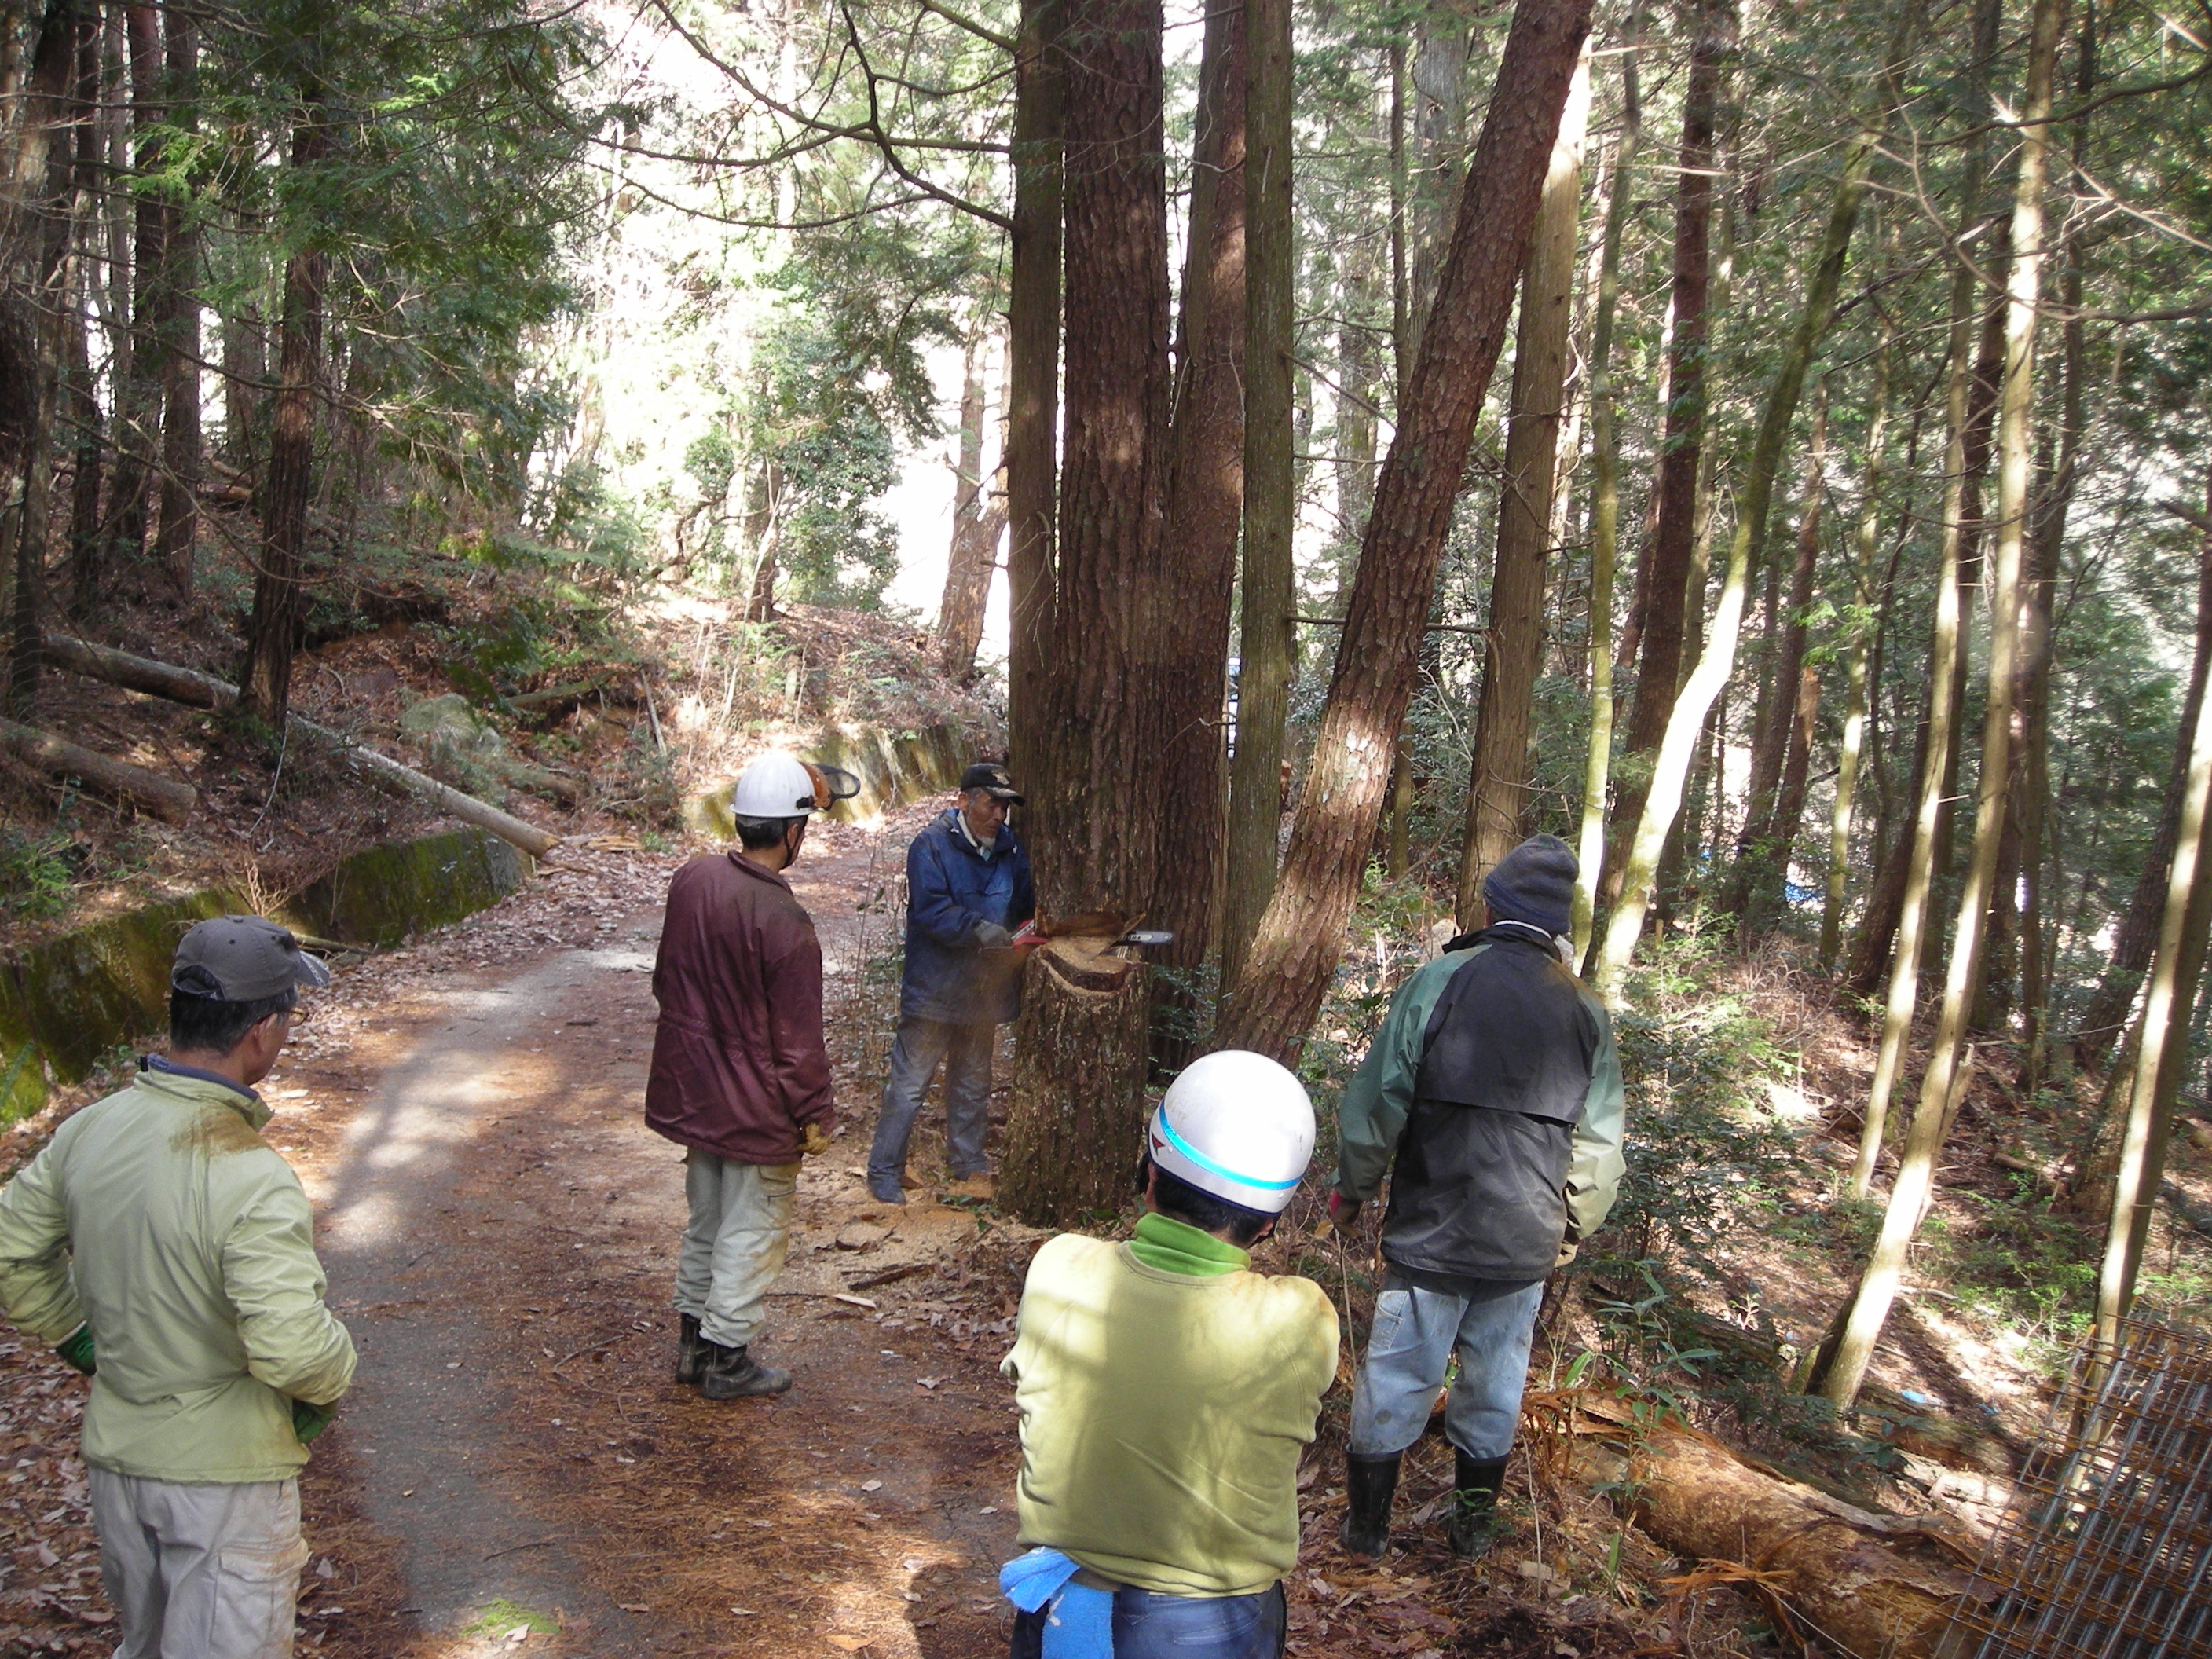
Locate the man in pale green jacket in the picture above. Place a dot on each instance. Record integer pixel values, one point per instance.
(166, 1248)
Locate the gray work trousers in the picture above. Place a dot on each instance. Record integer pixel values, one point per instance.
(1420, 1324)
(967, 1052)
(734, 1247)
(199, 1570)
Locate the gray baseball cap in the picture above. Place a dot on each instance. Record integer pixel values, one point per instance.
(242, 959)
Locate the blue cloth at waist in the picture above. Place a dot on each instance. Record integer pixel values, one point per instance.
(1079, 1620)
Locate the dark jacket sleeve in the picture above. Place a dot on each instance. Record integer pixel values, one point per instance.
(930, 905)
(801, 1061)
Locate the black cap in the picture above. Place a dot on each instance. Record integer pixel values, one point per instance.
(991, 778)
(242, 959)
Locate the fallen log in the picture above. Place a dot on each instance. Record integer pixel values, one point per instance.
(1877, 1586)
(166, 798)
(200, 691)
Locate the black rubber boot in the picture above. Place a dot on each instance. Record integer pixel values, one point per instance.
(691, 1351)
(734, 1374)
(1472, 1523)
(1370, 1484)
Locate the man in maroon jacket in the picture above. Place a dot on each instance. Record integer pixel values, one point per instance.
(740, 1077)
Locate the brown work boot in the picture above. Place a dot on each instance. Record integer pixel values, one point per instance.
(978, 1185)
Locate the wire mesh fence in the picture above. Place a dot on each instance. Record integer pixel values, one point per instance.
(2103, 1552)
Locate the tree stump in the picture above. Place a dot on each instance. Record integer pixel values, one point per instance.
(1075, 1130)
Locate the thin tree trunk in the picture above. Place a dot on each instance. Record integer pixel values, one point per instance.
(1762, 850)
(1267, 639)
(264, 684)
(85, 531)
(1033, 309)
(1605, 492)
(1079, 1079)
(1686, 725)
(1663, 571)
(1513, 649)
(174, 540)
(1914, 1183)
(1205, 502)
(1911, 871)
(979, 518)
(138, 386)
(1294, 955)
(1861, 625)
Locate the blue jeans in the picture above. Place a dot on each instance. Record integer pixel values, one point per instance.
(1418, 1323)
(966, 1052)
(1151, 1626)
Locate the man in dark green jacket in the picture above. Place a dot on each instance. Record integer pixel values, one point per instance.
(1495, 1086)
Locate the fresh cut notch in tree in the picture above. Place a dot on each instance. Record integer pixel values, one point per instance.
(1662, 798)
(1301, 935)
(1914, 1186)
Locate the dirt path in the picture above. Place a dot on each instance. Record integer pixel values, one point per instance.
(500, 1229)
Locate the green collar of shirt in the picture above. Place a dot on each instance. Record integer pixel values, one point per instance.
(182, 1083)
(1177, 1247)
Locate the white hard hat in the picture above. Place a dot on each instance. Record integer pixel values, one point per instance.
(1238, 1126)
(780, 786)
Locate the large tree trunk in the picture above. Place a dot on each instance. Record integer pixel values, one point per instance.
(1091, 832)
(138, 385)
(35, 238)
(1513, 652)
(179, 367)
(1268, 641)
(1033, 386)
(1670, 769)
(1302, 935)
(1605, 493)
(1662, 573)
(265, 681)
(1914, 1183)
(1205, 500)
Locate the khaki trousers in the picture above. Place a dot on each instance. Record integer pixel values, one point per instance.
(734, 1247)
(199, 1570)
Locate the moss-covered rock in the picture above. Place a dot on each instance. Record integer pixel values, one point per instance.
(67, 1002)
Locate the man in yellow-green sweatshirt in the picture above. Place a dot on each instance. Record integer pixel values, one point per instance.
(1167, 1391)
(163, 1247)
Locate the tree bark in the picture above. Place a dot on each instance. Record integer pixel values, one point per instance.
(174, 541)
(1091, 832)
(1687, 723)
(1663, 572)
(1301, 937)
(166, 798)
(1205, 502)
(1513, 647)
(85, 529)
(1267, 642)
(1605, 493)
(36, 291)
(1033, 308)
(265, 680)
(1914, 1183)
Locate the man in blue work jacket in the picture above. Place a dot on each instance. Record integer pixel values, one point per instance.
(967, 889)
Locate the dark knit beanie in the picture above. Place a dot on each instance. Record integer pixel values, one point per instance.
(1534, 882)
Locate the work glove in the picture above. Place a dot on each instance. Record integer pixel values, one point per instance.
(78, 1350)
(1342, 1211)
(308, 1421)
(991, 937)
(815, 1143)
(1569, 1250)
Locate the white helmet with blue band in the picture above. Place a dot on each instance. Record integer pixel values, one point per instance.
(1238, 1126)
